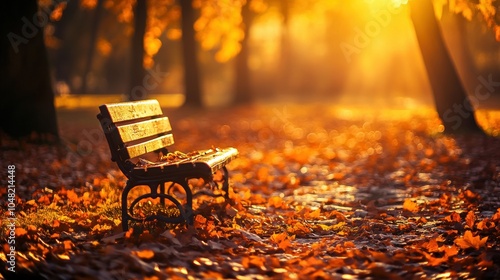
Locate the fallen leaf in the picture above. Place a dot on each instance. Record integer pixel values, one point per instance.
(496, 216)
(470, 241)
(276, 238)
(453, 217)
(338, 215)
(470, 219)
(411, 206)
(313, 214)
(450, 251)
(431, 246)
(20, 232)
(68, 245)
(146, 254)
(277, 202)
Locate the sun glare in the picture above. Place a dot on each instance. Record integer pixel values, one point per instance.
(399, 3)
(393, 3)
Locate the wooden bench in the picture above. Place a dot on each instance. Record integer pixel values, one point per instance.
(135, 130)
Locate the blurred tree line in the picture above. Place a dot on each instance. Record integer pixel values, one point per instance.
(240, 50)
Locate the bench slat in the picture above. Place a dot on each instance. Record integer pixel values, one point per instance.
(132, 110)
(139, 130)
(150, 146)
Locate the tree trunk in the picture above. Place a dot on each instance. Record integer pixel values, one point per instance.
(90, 52)
(137, 89)
(27, 104)
(242, 78)
(63, 61)
(284, 66)
(452, 103)
(193, 95)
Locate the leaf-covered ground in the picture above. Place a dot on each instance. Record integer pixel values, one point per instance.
(318, 192)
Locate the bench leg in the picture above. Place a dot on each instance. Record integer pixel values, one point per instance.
(188, 207)
(162, 190)
(125, 215)
(225, 183)
(187, 212)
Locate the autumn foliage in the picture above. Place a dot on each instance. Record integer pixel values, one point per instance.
(317, 193)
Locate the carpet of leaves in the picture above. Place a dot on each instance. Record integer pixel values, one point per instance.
(317, 193)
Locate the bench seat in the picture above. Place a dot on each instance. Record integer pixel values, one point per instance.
(202, 166)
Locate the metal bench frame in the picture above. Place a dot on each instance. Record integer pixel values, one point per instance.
(134, 129)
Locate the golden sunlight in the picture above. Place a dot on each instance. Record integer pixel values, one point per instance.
(399, 3)
(379, 40)
(394, 3)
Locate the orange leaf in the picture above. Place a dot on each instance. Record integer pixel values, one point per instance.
(284, 244)
(68, 244)
(380, 256)
(450, 251)
(421, 220)
(20, 232)
(336, 262)
(246, 194)
(470, 219)
(278, 237)
(431, 246)
(63, 257)
(44, 199)
(200, 219)
(257, 261)
(470, 241)
(72, 196)
(433, 261)
(485, 261)
(282, 240)
(485, 224)
(146, 254)
(313, 215)
(409, 205)
(298, 228)
(454, 217)
(496, 216)
(276, 202)
(470, 195)
(349, 244)
(339, 216)
(262, 174)
(129, 233)
(103, 193)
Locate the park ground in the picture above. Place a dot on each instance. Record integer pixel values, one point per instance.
(319, 191)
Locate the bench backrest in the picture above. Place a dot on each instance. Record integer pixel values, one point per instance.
(134, 128)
